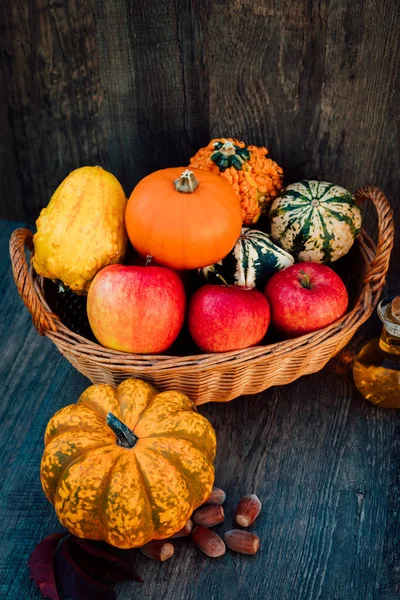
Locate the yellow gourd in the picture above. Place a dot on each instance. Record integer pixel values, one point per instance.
(82, 229)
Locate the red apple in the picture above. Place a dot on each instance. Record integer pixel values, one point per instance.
(305, 297)
(227, 318)
(136, 309)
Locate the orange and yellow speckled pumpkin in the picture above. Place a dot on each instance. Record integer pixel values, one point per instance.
(129, 464)
(255, 178)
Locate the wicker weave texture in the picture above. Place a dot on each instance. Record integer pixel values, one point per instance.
(223, 376)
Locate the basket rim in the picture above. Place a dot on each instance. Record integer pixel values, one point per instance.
(89, 356)
(362, 309)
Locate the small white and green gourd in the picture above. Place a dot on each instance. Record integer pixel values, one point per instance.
(251, 262)
(315, 221)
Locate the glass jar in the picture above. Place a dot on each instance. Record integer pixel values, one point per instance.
(376, 369)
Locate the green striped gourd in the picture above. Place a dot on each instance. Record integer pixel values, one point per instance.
(315, 221)
(252, 261)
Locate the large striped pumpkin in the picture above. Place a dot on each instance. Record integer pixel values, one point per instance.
(252, 261)
(129, 464)
(315, 221)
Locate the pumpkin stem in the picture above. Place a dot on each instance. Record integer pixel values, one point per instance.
(305, 280)
(228, 149)
(125, 437)
(186, 183)
(227, 154)
(61, 286)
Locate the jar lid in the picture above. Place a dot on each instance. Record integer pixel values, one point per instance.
(389, 313)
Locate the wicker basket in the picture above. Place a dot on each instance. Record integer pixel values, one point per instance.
(216, 377)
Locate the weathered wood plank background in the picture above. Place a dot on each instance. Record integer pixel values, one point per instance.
(136, 86)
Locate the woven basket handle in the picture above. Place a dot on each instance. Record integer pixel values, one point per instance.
(45, 321)
(42, 319)
(378, 268)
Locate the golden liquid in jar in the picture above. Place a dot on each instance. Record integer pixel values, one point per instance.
(376, 371)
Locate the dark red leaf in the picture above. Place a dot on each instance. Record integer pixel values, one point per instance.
(103, 561)
(41, 565)
(103, 550)
(74, 582)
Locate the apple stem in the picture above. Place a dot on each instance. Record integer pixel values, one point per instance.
(186, 183)
(125, 437)
(149, 258)
(305, 280)
(222, 279)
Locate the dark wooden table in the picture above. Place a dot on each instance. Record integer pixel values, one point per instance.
(324, 462)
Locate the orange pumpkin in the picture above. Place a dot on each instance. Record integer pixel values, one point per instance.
(256, 179)
(184, 219)
(127, 465)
